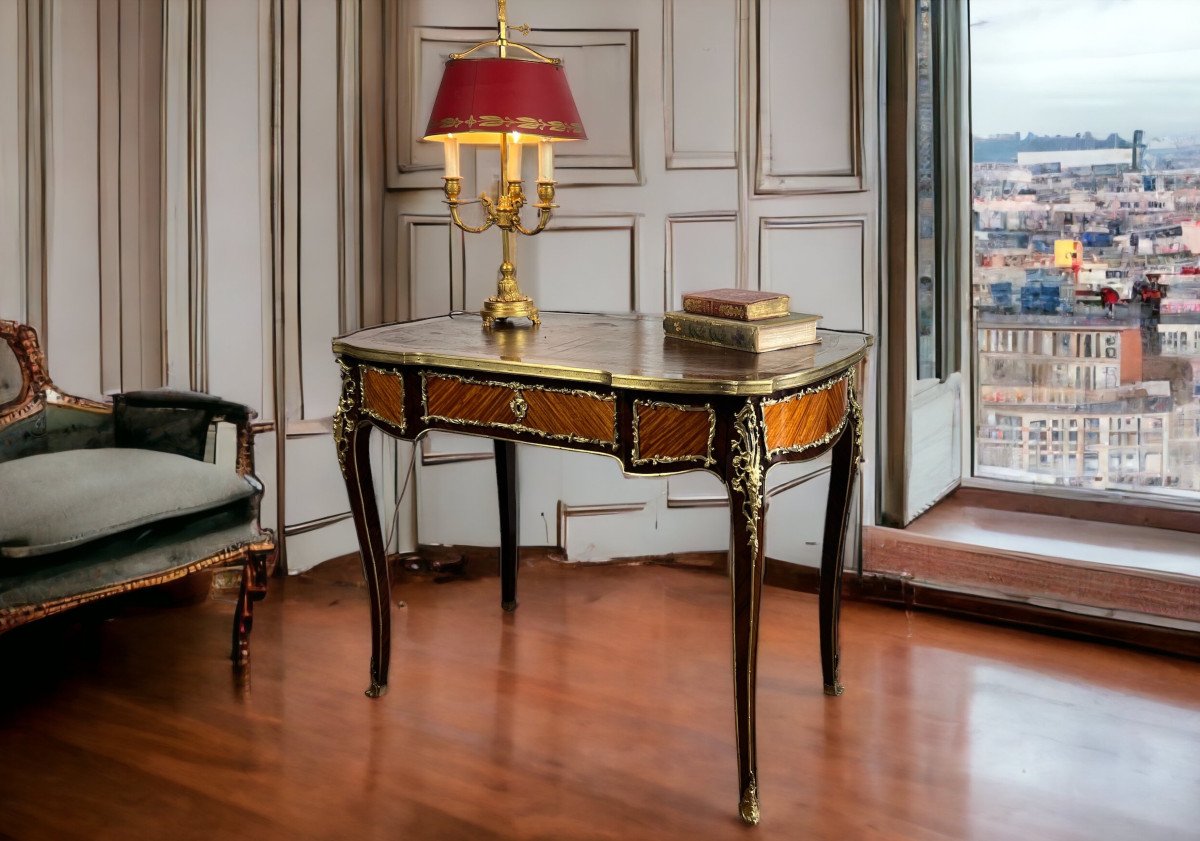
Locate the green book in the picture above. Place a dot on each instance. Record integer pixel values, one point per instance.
(791, 330)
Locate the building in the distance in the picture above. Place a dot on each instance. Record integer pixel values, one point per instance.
(1064, 402)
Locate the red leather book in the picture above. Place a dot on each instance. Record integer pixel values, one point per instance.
(738, 304)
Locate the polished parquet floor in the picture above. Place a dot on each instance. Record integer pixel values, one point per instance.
(601, 710)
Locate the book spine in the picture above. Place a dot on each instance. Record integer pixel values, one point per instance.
(741, 312)
(730, 334)
(716, 309)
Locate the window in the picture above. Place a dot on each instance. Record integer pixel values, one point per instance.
(1085, 204)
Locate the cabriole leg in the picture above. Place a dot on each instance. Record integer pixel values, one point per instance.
(745, 477)
(844, 465)
(506, 486)
(352, 437)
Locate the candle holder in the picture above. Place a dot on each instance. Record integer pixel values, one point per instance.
(474, 105)
(504, 212)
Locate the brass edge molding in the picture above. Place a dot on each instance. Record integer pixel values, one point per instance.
(707, 460)
(859, 416)
(426, 417)
(747, 471)
(345, 418)
(832, 435)
(369, 412)
(696, 388)
(747, 475)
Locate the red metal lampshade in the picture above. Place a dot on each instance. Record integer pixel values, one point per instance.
(482, 98)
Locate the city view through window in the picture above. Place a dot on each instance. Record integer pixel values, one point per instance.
(1085, 119)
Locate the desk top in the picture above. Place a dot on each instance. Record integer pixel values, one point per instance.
(624, 351)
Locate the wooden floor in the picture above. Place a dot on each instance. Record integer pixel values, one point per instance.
(601, 710)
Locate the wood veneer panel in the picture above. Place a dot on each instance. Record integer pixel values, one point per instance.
(383, 395)
(556, 413)
(803, 420)
(572, 414)
(450, 397)
(672, 433)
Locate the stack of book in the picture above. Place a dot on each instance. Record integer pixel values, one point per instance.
(741, 319)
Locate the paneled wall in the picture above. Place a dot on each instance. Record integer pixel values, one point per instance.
(191, 196)
(731, 143)
(80, 142)
(202, 193)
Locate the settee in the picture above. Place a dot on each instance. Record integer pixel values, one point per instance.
(100, 498)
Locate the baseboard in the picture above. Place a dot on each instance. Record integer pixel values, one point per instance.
(894, 590)
(903, 593)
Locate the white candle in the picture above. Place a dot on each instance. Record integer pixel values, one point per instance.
(450, 148)
(545, 161)
(513, 172)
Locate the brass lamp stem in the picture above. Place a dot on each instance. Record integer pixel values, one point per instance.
(502, 17)
(505, 213)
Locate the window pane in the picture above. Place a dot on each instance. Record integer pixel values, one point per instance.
(928, 277)
(1086, 217)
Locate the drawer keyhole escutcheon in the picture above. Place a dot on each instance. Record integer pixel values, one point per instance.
(519, 407)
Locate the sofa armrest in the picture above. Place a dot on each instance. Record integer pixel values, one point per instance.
(174, 398)
(178, 421)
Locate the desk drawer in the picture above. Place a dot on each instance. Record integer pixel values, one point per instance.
(564, 414)
(810, 418)
(383, 395)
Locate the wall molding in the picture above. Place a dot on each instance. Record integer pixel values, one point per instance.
(698, 158)
(576, 223)
(673, 221)
(856, 222)
(407, 226)
(768, 180)
(434, 458)
(33, 128)
(565, 512)
(184, 235)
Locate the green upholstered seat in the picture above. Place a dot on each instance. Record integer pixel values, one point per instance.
(64, 499)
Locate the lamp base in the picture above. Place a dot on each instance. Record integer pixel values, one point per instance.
(496, 310)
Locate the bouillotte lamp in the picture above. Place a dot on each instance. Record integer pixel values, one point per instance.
(511, 103)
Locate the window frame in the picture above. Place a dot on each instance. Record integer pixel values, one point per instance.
(899, 386)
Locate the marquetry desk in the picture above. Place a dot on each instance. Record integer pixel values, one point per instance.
(613, 384)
